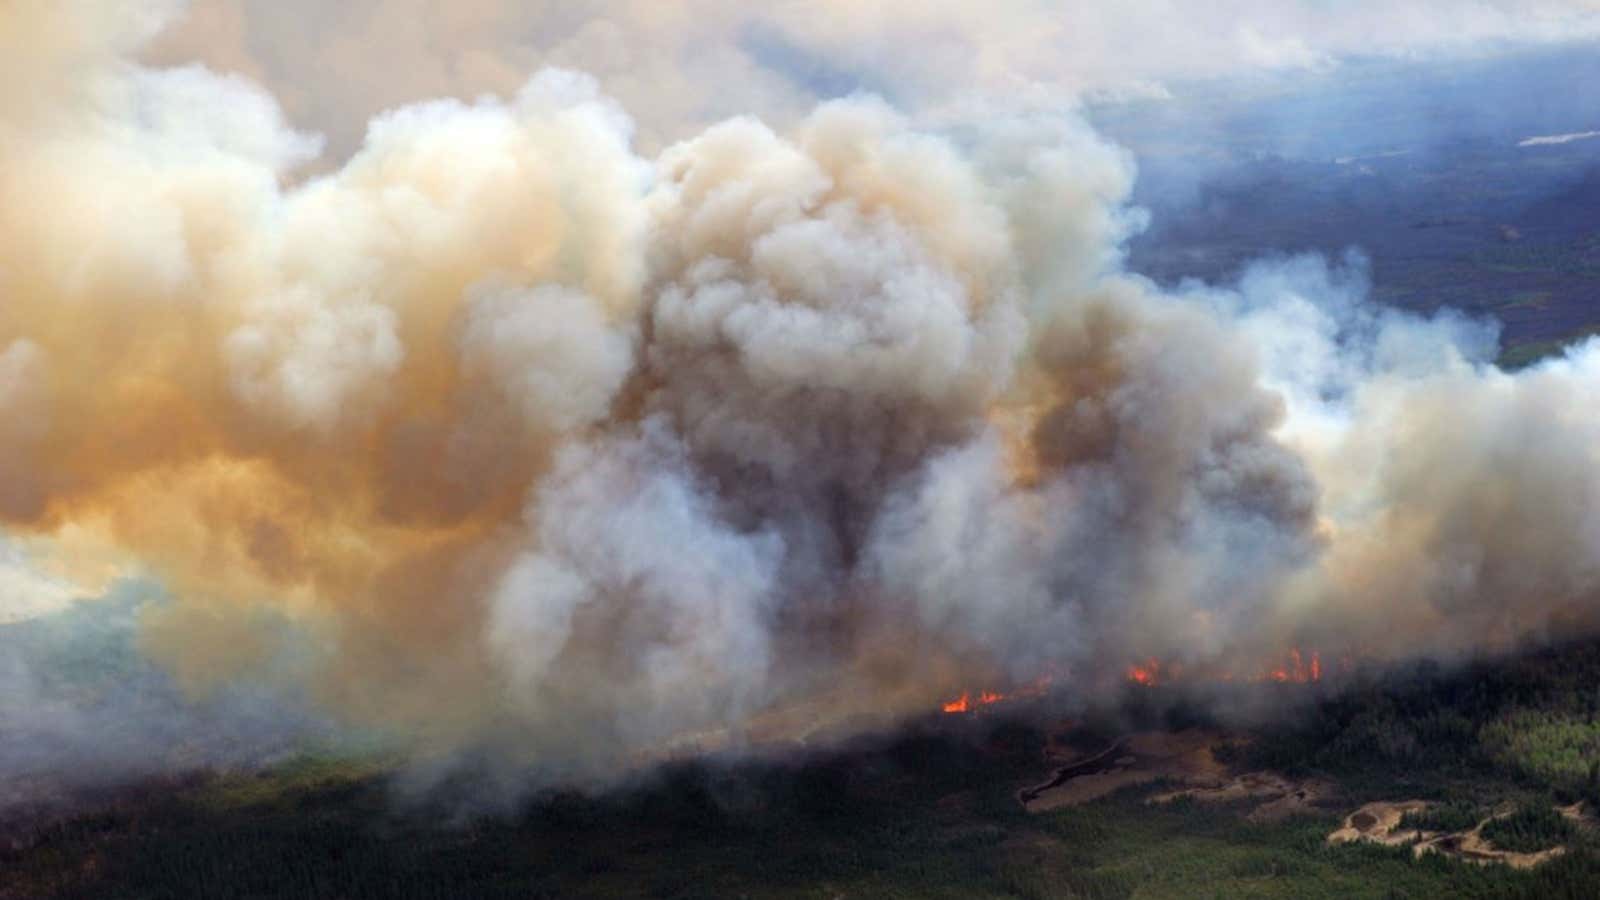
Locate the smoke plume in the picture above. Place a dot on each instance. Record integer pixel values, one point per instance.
(564, 451)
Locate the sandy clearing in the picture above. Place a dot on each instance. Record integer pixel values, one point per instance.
(1379, 823)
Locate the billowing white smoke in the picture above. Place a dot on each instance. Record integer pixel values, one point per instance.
(573, 454)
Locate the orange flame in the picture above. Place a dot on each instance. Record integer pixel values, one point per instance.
(1297, 666)
(1297, 671)
(1148, 674)
(967, 703)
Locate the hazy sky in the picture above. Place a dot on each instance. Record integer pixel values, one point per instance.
(679, 64)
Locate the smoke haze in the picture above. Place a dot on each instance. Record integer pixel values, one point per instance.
(564, 439)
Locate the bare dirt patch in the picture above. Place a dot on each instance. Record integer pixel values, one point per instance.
(1379, 823)
(1280, 796)
(1134, 759)
(1184, 756)
(1470, 846)
(1579, 815)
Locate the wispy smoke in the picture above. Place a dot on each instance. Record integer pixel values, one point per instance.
(82, 709)
(576, 454)
(681, 66)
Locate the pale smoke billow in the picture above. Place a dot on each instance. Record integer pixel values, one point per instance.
(562, 454)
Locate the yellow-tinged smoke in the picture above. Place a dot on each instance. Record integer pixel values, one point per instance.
(571, 453)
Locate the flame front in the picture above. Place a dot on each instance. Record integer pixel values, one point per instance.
(1147, 673)
(1296, 666)
(968, 703)
(1297, 671)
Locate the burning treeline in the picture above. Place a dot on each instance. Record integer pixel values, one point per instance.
(1295, 666)
(550, 448)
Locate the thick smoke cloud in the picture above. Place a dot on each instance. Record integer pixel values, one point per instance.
(572, 455)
